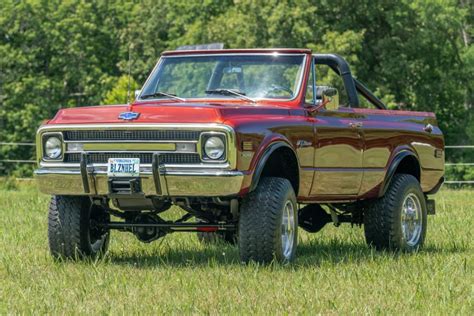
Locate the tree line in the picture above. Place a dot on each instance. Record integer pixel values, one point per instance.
(414, 54)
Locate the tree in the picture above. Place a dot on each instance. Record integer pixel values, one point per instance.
(122, 92)
(415, 54)
(53, 54)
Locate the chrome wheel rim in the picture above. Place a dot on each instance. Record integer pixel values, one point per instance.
(288, 229)
(411, 219)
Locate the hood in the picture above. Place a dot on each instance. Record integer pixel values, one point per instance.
(161, 113)
(189, 113)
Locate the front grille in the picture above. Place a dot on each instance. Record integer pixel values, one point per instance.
(124, 135)
(136, 135)
(145, 158)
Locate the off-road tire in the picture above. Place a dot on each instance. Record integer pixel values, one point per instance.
(260, 222)
(70, 232)
(382, 217)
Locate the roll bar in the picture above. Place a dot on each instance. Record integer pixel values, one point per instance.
(352, 85)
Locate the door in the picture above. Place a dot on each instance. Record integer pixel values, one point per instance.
(338, 153)
(338, 139)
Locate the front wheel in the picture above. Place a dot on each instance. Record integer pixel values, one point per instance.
(398, 220)
(268, 222)
(72, 228)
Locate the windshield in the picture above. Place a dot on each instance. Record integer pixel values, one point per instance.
(271, 76)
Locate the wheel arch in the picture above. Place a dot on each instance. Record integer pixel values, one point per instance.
(278, 160)
(405, 162)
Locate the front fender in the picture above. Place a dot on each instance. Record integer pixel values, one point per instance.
(263, 158)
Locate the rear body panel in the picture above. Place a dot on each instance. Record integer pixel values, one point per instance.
(345, 163)
(386, 133)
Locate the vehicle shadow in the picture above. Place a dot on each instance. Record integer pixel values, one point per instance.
(178, 257)
(310, 254)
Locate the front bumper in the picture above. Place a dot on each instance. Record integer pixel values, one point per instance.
(172, 182)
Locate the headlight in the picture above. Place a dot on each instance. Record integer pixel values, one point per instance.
(214, 147)
(53, 148)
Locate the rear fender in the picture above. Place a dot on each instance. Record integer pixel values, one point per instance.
(397, 159)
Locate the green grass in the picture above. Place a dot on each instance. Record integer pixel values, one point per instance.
(335, 272)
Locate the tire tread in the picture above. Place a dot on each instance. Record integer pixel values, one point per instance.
(257, 238)
(67, 232)
(381, 216)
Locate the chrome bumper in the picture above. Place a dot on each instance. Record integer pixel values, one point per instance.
(173, 182)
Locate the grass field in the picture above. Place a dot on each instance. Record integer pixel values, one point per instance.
(335, 272)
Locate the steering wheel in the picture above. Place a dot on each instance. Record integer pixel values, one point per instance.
(275, 87)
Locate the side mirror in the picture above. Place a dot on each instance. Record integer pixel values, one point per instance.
(331, 98)
(137, 93)
(328, 97)
(329, 91)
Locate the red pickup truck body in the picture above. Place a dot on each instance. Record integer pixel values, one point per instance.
(335, 161)
(343, 155)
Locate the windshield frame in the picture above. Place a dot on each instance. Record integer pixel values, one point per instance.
(297, 91)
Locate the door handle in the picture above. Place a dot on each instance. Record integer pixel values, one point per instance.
(355, 124)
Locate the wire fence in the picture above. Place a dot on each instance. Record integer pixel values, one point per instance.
(448, 164)
(454, 164)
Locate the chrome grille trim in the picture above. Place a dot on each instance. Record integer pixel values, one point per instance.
(125, 135)
(193, 127)
(145, 158)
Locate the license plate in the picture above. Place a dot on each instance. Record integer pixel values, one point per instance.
(123, 167)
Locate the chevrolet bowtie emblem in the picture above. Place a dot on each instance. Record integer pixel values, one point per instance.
(128, 115)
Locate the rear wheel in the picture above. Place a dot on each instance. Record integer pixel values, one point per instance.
(268, 222)
(72, 228)
(398, 220)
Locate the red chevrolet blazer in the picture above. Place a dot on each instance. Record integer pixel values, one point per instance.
(252, 144)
